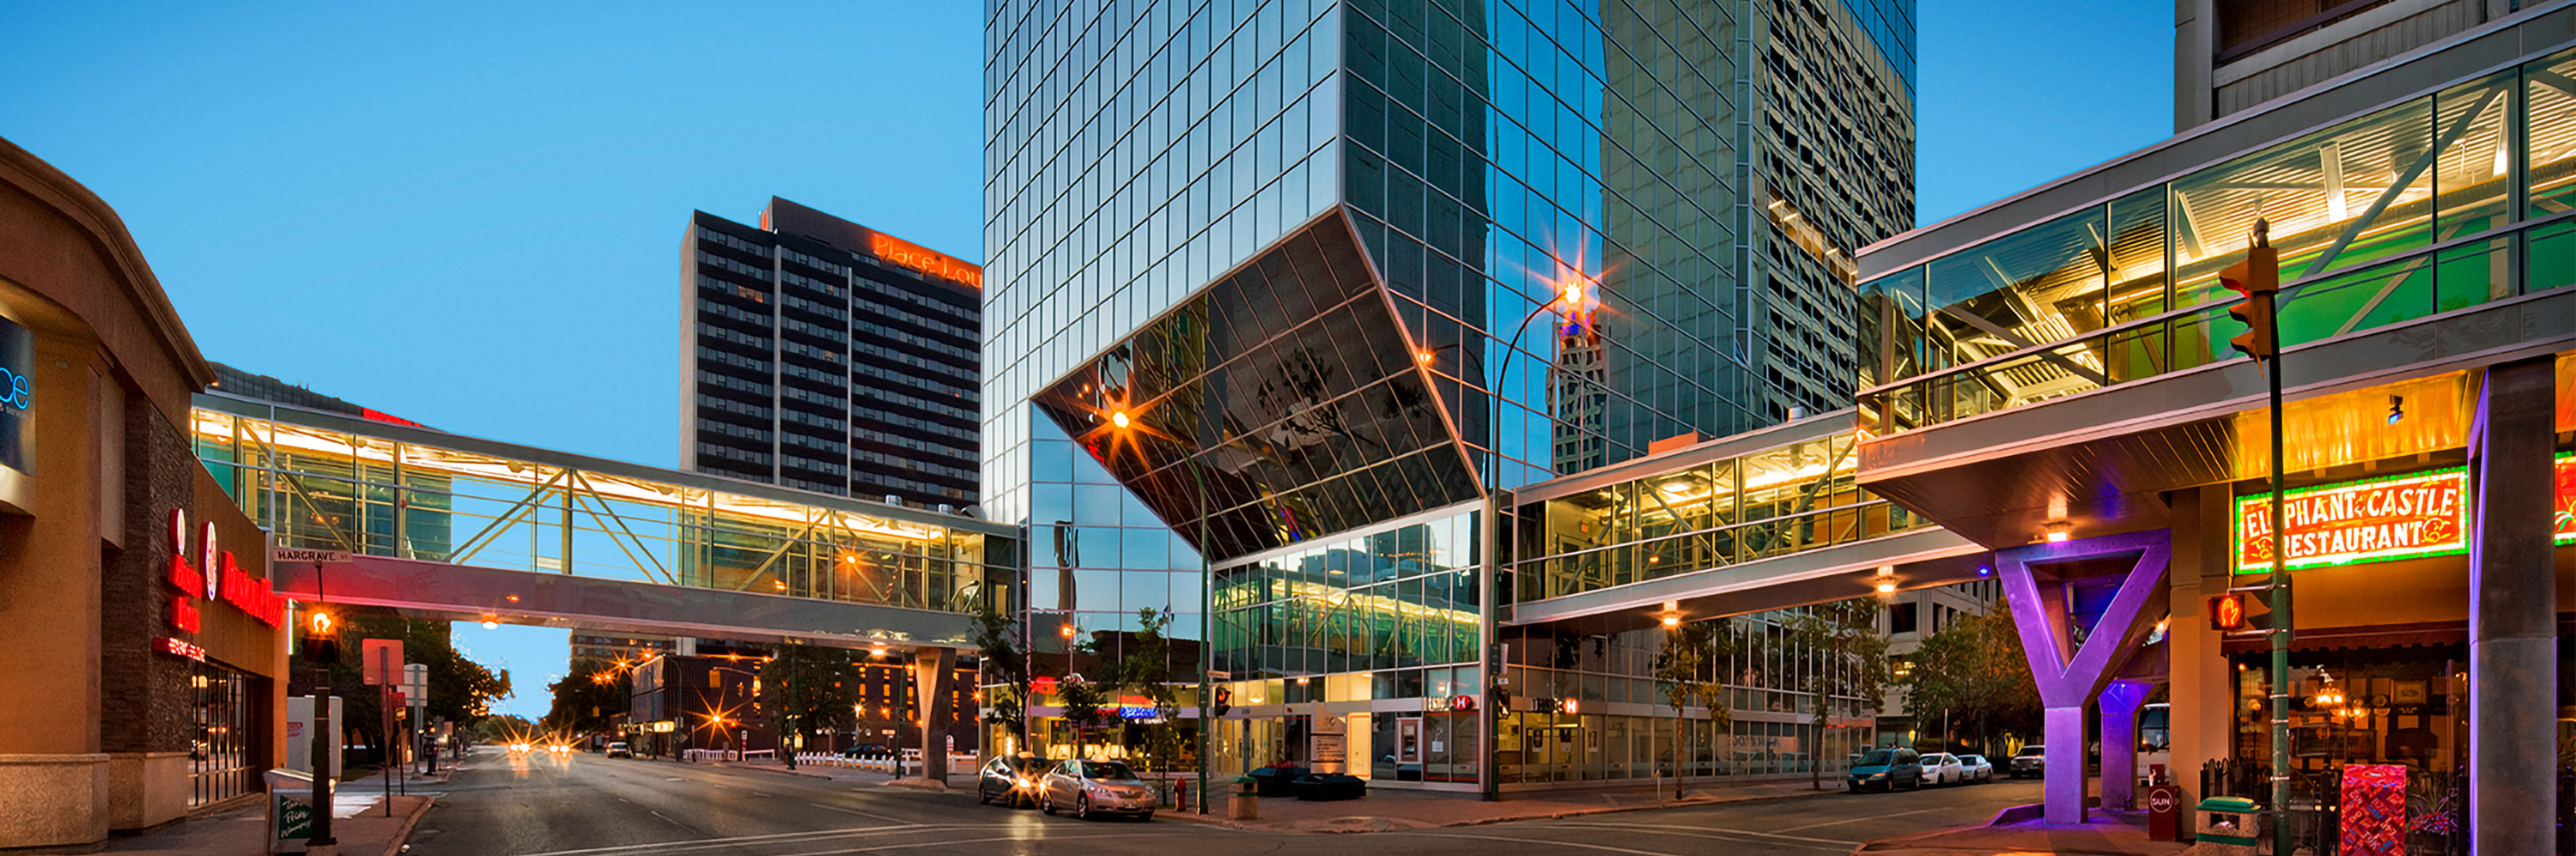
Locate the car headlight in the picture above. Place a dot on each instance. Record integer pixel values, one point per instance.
(1025, 784)
(1878, 775)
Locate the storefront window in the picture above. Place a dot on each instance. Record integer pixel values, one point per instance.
(222, 748)
(2360, 706)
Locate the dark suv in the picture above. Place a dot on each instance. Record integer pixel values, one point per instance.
(1887, 770)
(2031, 762)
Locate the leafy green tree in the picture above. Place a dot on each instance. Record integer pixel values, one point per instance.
(1005, 666)
(1974, 673)
(1082, 700)
(589, 697)
(460, 690)
(805, 689)
(1688, 669)
(1146, 671)
(1847, 659)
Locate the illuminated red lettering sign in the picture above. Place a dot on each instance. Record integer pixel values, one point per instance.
(179, 647)
(2422, 514)
(908, 254)
(213, 576)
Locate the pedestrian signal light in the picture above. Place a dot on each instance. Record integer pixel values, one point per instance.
(1224, 702)
(2227, 612)
(321, 639)
(2256, 280)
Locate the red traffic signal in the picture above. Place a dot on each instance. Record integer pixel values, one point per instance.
(2255, 279)
(2227, 612)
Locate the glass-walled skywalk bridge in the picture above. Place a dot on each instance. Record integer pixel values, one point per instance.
(1762, 520)
(331, 482)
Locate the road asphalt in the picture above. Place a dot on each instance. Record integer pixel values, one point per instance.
(588, 805)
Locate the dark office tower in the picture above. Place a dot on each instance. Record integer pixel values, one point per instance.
(823, 355)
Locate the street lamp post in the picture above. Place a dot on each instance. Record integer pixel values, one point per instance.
(1571, 301)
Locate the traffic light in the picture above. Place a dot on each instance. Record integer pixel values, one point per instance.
(1224, 702)
(2256, 280)
(321, 638)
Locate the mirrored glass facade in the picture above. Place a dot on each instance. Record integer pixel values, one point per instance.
(1315, 253)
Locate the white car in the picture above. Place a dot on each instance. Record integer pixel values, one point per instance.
(1096, 787)
(1943, 768)
(1980, 770)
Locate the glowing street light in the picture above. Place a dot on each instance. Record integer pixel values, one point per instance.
(1118, 418)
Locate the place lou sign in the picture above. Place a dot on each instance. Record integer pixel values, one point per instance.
(2397, 517)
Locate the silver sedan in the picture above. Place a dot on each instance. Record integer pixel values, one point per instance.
(1096, 787)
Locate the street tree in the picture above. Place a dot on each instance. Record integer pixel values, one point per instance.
(1690, 670)
(460, 690)
(589, 697)
(1146, 672)
(1005, 667)
(1973, 673)
(805, 690)
(1847, 658)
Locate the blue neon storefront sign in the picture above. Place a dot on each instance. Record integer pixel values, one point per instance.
(17, 393)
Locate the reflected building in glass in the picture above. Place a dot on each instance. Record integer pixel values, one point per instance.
(1289, 288)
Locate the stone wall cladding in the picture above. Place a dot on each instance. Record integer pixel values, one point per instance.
(144, 694)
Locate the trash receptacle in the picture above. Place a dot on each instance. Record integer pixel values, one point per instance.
(1243, 803)
(2228, 826)
(2164, 812)
(290, 810)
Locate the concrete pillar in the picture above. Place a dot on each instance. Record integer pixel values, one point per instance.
(930, 674)
(2513, 621)
(2120, 703)
(2062, 774)
(2204, 720)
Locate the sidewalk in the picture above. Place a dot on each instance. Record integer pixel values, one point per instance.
(362, 829)
(1389, 809)
(2112, 833)
(962, 782)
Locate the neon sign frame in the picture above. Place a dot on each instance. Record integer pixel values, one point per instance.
(2429, 524)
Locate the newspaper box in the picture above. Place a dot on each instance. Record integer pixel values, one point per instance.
(290, 810)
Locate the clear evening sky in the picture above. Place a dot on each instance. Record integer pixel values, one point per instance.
(469, 214)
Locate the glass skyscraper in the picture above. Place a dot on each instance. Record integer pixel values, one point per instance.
(1267, 284)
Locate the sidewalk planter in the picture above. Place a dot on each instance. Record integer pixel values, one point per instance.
(2228, 826)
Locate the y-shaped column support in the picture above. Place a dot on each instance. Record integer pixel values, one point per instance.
(2070, 675)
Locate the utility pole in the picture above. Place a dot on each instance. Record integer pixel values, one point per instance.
(321, 649)
(2258, 278)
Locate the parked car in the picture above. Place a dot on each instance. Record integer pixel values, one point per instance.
(1328, 786)
(2031, 762)
(1096, 787)
(1979, 770)
(866, 750)
(619, 750)
(1273, 780)
(1887, 769)
(1943, 768)
(1013, 780)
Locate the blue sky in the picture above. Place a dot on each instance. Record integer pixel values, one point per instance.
(469, 214)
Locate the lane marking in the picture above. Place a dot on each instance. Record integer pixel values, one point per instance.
(1859, 819)
(872, 815)
(1542, 841)
(1719, 835)
(710, 843)
(1021, 838)
(1687, 827)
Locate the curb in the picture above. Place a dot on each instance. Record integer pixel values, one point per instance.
(402, 834)
(1209, 820)
(780, 770)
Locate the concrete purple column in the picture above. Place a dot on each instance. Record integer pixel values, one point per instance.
(2120, 702)
(2071, 676)
(2513, 616)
